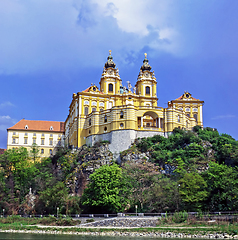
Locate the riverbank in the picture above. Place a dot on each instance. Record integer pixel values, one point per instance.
(121, 226)
(158, 232)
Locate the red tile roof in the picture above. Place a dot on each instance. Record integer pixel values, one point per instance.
(35, 125)
(2, 150)
(87, 90)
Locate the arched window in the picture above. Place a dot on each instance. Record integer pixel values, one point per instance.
(26, 127)
(51, 151)
(121, 114)
(110, 87)
(89, 122)
(147, 90)
(196, 117)
(86, 111)
(178, 118)
(93, 109)
(105, 118)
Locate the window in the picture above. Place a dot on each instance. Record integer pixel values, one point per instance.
(105, 129)
(93, 109)
(51, 128)
(196, 117)
(25, 140)
(51, 151)
(110, 87)
(34, 141)
(121, 125)
(188, 114)
(147, 90)
(26, 127)
(178, 118)
(34, 134)
(86, 111)
(59, 136)
(121, 114)
(89, 131)
(51, 135)
(51, 142)
(89, 121)
(25, 134)
(147, 124)
(105, 118)
(42, 151)
(14, 133)
(42, 141)
(42, 134)
(14, 140)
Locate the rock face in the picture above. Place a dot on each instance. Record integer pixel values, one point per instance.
(88, 160)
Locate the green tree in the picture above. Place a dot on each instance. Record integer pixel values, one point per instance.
(34, 152)
(192, 190)
(222, 185)
(53, 197)
(19, 175)
(163, 195)
(140, 178)
(105, 191)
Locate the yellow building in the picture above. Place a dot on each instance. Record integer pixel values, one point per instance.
(120, 114)
(46, 134)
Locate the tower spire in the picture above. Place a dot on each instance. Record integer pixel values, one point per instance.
(110, 62)
(146, 65)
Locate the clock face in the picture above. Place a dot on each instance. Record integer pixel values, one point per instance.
(110, 72)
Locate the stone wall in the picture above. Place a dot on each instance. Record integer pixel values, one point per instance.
(122, 139)
(124, 222)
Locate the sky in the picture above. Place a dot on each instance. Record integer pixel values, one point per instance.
(50, 49)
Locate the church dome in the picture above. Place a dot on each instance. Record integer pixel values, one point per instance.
(146, 66)
(110, 62)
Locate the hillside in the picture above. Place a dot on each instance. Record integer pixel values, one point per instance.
(190, 170)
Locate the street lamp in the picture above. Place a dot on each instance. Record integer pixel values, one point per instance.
(136, 209)
(178, 198)
(57, 211)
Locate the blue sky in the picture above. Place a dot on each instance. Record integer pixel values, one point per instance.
(50, 49)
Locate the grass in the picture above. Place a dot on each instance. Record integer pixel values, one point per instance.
(17, 221)
(188, 227)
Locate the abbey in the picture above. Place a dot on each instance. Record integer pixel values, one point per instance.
(120, 114)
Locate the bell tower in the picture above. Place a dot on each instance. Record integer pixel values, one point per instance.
(146, 82)
(110, 81)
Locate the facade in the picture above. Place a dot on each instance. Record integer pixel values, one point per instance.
(120, 114)
(46, 134)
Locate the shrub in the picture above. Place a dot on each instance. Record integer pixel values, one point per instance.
(180, 217)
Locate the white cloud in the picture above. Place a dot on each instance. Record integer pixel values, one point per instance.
(6, 122)
(223, 116)
(6, 104)
(64, 34)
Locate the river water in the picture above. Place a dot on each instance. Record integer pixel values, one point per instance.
(29, 236)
